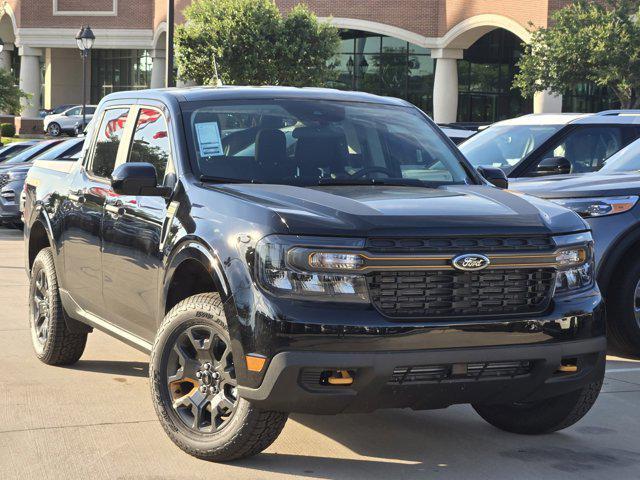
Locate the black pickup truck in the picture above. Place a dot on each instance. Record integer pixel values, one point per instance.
(284, 250)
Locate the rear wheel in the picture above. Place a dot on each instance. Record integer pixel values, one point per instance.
(53, 342)
(545, 416)
(623, 309)
(54, 129)
(194, 386)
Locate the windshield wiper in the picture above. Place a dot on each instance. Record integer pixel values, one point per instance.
(212, 179)
(394, 182)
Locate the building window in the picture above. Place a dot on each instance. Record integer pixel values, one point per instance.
(588, 98)
(385, 66)
(118, 70)
(485, 76)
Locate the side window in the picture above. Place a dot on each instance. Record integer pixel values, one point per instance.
(151, 141)
(587, 148)
(108, 139)
(74, 111)
(90, 110)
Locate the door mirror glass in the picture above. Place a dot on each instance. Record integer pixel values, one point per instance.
(554, 166)
(138, 178)
(495, 176)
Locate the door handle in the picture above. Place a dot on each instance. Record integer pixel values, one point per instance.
(76, 198)
(115, 209)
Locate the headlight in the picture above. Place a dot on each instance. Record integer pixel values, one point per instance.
(287, 269)
(574, 263)
(598, 207)
(17, 175)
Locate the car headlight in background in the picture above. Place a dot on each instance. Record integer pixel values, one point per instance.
(308, 272)
(21, 175)
(575, 263)
(598, 206)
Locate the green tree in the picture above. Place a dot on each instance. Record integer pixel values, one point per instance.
(9, 94)
(587, 41)
(254, 44)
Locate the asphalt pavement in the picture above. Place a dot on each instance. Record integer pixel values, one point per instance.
(95, 420)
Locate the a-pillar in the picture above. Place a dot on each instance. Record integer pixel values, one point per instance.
(445, 86)
(30, 81)
(158, 59)
(547, 102)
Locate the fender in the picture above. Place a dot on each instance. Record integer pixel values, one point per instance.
(614, 255)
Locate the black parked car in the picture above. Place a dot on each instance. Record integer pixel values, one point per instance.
(286, 250)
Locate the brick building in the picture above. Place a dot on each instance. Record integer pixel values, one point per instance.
(453, 58)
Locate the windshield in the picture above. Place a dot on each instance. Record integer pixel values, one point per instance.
(29, 153)
(311, 142)
(66, 149)
(504, 146)
(626, 160)
(12, 150)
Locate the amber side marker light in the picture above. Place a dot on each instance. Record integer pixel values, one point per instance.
(568, 366)
(255, 362)
(340, 377)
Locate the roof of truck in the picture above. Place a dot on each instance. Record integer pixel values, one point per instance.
(609, 117)
(194, 94)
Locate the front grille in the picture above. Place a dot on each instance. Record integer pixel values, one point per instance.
(461, 371)
(449, 293)
(460, 244)
(4, 179)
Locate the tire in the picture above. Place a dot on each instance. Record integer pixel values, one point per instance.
(623, 309)
(545, 416)
(53, 342)
(54, 130)
(197, 328)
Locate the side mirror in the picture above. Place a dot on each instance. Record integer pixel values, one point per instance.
(495, 176)
(554, 166)
(137, 178)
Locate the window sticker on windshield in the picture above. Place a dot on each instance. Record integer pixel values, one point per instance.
(209, 139)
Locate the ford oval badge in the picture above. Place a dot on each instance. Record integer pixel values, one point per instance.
(471, 262)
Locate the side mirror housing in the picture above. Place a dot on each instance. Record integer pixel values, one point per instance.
(495, 176)
(137, 178)
(554, 166)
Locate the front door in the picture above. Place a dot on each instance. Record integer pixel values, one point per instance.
(84, 203)
(132, 230)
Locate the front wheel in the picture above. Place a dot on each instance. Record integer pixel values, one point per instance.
(194, 386)
(623, 309)
(54, 129)
(545, 416)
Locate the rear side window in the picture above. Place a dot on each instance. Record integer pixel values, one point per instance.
(151, 141)
(90, 110)
(108, 139)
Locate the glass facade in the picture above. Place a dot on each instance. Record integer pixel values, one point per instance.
(385, 66)
(485, 76)
(588, 98)
(117, 70)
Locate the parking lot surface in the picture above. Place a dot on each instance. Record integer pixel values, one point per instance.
(95, 420)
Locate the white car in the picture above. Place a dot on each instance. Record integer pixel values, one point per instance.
(67, 121)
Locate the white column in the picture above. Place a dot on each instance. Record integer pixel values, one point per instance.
(445, 87)
(547, 102)
(5, 57)
(158, 58)
(30, 81)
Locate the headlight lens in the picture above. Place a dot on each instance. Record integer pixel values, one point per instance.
(276, 274)
(598, 207)
(575, 268)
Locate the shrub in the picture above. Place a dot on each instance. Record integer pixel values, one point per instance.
(7, 130)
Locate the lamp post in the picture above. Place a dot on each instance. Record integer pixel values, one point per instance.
(170, 79)
(84, 40)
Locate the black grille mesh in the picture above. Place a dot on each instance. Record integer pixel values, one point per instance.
(4, 179)
(449, 293)
(459, 244)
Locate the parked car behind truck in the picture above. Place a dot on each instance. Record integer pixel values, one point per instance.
(365, 265)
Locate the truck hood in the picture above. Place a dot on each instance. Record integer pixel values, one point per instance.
(392, 210)
(582, 186)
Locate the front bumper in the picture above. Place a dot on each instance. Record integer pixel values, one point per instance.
(293, 380)
(10, 201)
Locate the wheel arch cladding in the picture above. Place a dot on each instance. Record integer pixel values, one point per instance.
(39, 238)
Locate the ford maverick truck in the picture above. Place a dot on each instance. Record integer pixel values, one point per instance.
(282, 250)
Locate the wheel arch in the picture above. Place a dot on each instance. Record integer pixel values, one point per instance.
(616, 254)
(40, 236)
(192, 268)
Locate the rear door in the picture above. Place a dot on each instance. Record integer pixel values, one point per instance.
(133, 229)
(84, 207)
